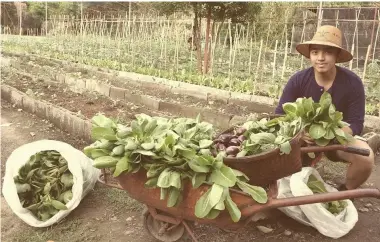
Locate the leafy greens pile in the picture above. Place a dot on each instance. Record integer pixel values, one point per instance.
(44, 184)
(320, 120)
(258, 136)
(317, 187)
(171, 151)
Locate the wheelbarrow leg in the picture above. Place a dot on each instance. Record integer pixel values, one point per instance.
(165, 228)
(189, 231)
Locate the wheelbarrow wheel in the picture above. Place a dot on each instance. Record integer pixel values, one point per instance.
(154, 228)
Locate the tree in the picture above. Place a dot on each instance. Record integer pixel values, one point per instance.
(237, 12)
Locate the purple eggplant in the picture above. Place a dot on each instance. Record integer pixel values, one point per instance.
(214, 152)
(241, 138)
(220, 147)
(232, 150)
(225, 138)
(235, 142)
(240, 131)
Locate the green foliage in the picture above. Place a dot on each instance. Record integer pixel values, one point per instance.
(170, 151)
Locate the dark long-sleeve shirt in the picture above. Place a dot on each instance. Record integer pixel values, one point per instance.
(347, 92)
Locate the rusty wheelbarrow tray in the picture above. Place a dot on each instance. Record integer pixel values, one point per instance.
(170, 223)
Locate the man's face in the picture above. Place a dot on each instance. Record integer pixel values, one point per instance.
(323, 58)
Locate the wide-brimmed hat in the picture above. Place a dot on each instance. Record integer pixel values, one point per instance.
(326, 35)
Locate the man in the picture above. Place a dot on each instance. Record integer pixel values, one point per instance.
(347, 92)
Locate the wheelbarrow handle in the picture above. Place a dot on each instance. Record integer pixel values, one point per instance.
(345, 148)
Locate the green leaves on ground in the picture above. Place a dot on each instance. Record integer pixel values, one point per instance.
(44, 184)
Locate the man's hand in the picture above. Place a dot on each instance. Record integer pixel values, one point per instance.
(308, 139)
(347, 129)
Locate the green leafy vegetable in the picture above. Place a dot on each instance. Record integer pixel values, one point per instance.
(44, 184)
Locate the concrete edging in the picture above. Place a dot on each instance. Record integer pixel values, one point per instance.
(60, 117)
(193, 90)
(116, 93)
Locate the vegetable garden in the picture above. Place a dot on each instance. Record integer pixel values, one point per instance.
(243, 58)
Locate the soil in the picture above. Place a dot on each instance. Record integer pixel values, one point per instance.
(108, 214)
(85, 104)
(47, 68)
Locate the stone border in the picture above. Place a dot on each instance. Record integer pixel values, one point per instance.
(60, 117)
(196, 91)
(115, 93)
(218, 119)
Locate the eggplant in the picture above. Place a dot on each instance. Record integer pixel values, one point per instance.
(231, 156)
(225, 138)
(235, 142)
(214, 152)
(232, 150)
(220, 147)
(241, 138)
(240, 131)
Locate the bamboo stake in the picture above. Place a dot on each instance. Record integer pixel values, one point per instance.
(337, 17)
(235, 44)
(366, 61)
(258, 59)
(284, 64)
(377, 33)
(274, 59)
(357, 41)
(230, 60)
(304, 26)
(291, 39)
(250, 57)
(352, 52)
(320, 15)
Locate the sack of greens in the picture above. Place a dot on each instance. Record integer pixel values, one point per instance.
(45, 180)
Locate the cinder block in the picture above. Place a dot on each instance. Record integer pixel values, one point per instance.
(150, 102)
(178, 109)
(103, 88)
(190, 92)
(16, 97)
(218, 119)
(91, 84)
(41, 109)
(28, 104)
(117, 93)
(5, 92)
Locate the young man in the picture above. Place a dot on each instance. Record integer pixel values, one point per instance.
(347, 92)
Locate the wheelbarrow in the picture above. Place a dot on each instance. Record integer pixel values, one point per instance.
(170, 224)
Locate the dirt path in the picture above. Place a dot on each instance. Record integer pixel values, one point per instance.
(110, 215)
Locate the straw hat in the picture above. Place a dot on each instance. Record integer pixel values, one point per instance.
(326, 35)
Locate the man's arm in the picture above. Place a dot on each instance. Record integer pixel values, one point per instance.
(355, 111)
(289, 94)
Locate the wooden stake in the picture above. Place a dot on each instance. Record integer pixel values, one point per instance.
(291, 40)
(352, 52)
(284, 64)
(274, 59)
(250, 58)
(357, 41)
(337, 17)
(377, 33)
(258, 59)
(366, 61)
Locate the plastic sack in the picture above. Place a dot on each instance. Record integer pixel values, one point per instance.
(315, 215)
(84, 178)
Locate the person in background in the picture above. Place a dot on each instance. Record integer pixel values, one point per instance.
(347, 92)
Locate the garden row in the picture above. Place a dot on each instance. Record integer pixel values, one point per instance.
(219, 107)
